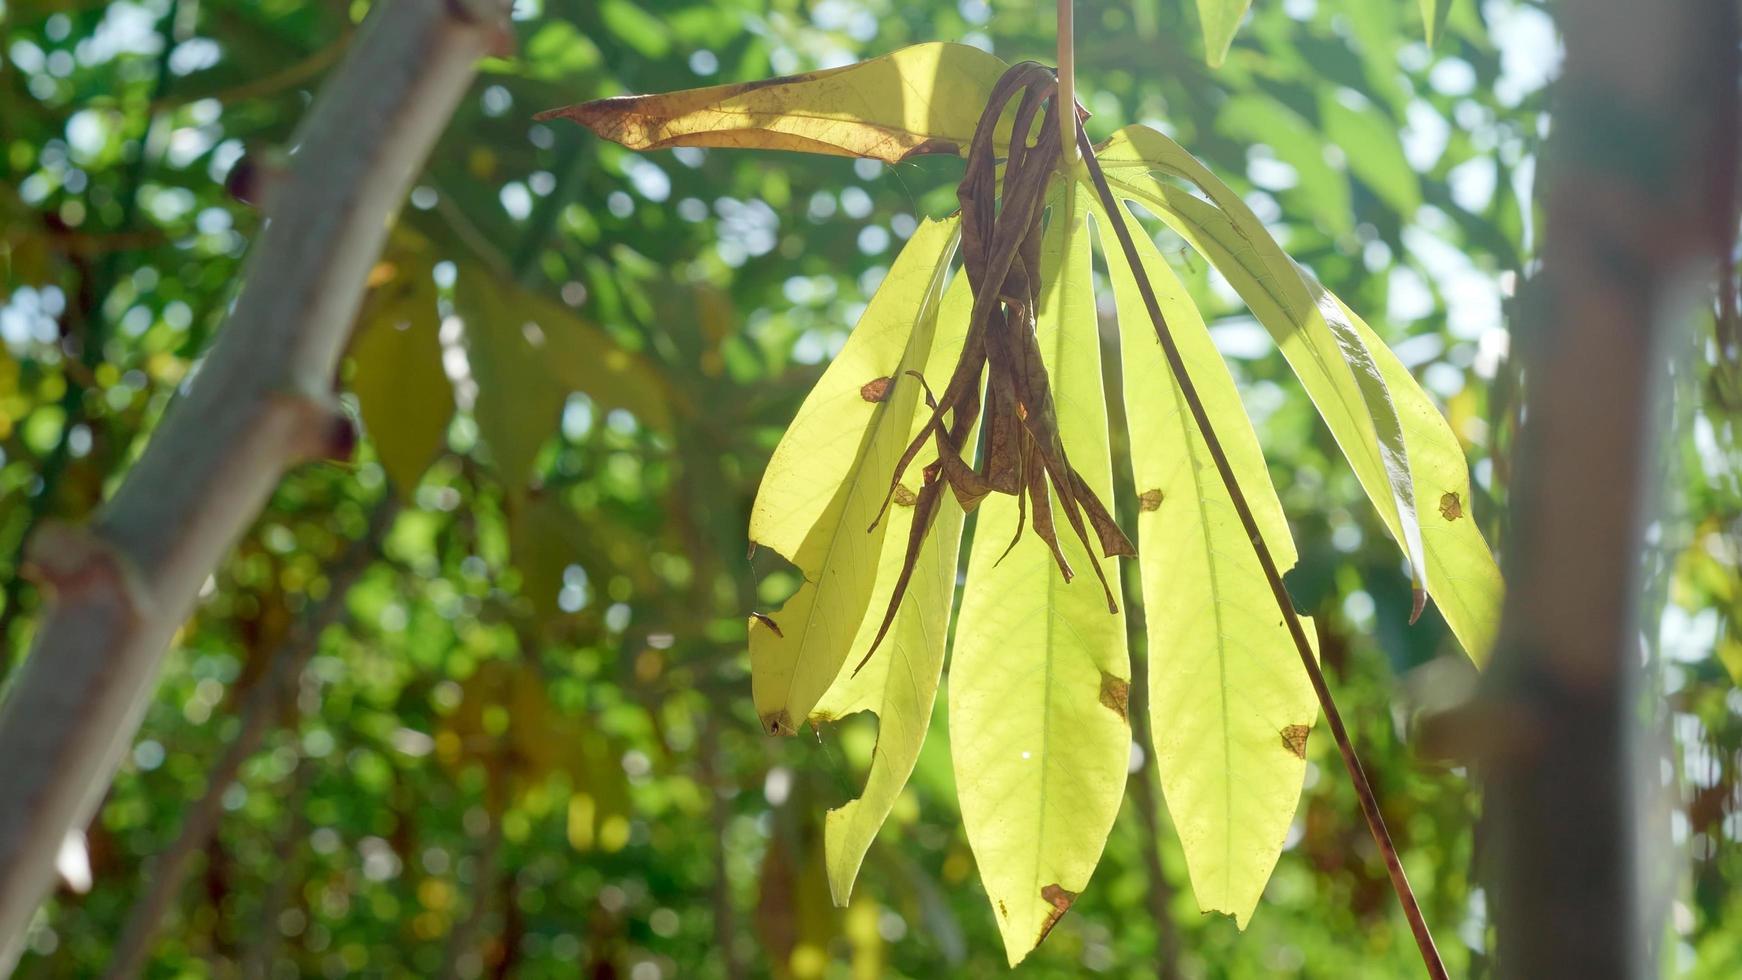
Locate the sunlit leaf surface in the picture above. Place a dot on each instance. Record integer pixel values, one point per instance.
(828, 477)
(1230, 707)
(1039, 679)
(921, 99)
(900, 683)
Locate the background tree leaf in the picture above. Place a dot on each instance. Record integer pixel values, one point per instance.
(402, 389)
(1039, 678)
(1369, 140)
(518, 398)
(828, 478)
(921, 99)
(1221, 21)
(1229, 705)
(1433, 19)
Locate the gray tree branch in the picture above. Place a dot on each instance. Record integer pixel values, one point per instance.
(260, 402)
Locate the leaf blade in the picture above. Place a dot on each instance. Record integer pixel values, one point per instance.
(900, 683)
(925, 98)
(402, 390)
(1334, 362)
(1221, 21)
(1039, 799)
(1225, 680)
(827, 479)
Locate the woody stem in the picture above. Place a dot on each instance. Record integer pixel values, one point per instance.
(1363, 789)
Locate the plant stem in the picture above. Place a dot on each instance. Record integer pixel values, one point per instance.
(1067, 98)
(1363, 789)
(261, 402)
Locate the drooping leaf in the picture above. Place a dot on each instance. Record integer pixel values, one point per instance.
(900, 684)
(920, 99)
(1230, 706)
(1334, 362)
(1433, 19)
(1462, 575)
(828, 476)
(402, 390)
(1221, 20)
(1039, 681)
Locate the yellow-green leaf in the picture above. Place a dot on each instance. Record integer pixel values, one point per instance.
(1433, 19)
(1334, 362)
(518, 399)
(900, 682)
(921, 99)
(1229, 704)
(402, 389)
(828, 478)
(1461, 573)
(1040, 676)
(1221, 20)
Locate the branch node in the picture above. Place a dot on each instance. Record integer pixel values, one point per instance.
(322, 429)
(71, 561)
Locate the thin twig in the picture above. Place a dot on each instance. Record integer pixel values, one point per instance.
(1066, 107)
(1363, 789)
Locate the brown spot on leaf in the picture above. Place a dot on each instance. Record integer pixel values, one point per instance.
(876, 389)
(769, 622)
(1450, 508)
(1149, 500)
(779, 723)
(933, 145)
(1061, 900)
(1115, 694)
(903, 496)
(1294, 739)
(1002, 910)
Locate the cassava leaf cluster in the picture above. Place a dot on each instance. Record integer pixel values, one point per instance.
(1039, 677)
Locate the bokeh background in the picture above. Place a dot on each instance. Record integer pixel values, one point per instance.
(494, 713)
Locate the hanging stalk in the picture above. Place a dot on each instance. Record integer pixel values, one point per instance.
(1363, 789)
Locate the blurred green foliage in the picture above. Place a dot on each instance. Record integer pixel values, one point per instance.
(527, 746)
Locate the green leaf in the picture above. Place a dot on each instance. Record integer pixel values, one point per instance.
(527, 352)
(1353, 380)
(1321, 188)
(828, 478)
(544, 538)
(921, 99)
(402, 389)
(1221, 20)
(518, 399)
(1040, 677)
(900, 683)
(1230, 706)
(1369, 140)
(636, 27)
(1433, 19)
